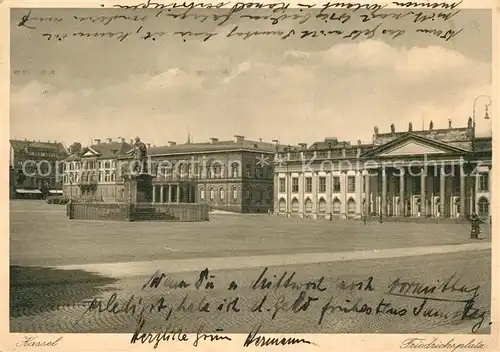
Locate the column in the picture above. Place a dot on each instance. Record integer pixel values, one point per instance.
(442, 192)
(423, 200)
(275, 192)
(462, 192)
(288, 193)
(178, 199)
(154, 193)
(162, 200)
(301, 194)
(315, 194)
(402, 202)
(490, 193)
(359, 192)
(169, 195)
(384, 193)
(343, 205)
(328, 193)
(368, 196)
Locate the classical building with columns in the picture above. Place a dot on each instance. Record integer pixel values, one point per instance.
(233, 175)
(428, 173)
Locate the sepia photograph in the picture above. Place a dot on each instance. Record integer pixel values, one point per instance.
(186, 172)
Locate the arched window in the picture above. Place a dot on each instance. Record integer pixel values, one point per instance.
(107, 176)
(483, 207)
(235, 193)
(248, 171)
(77, 179)
(322, 206)
(100, 176)
(71, 166)
(222, 194)
(351, 206)
(202, 193)
(295, 205)
(113, 176)
(282, 205)
(217, 171)
(107, 164)
(212, 194)
(308, 206)
(248, 193)
(336, 206)
(234, 170)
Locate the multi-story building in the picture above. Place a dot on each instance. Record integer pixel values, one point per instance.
(35, 168)
(233, 175)
(435, 173)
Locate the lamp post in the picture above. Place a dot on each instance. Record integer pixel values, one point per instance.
(474, 218)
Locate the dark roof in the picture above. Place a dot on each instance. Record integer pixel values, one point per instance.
(46, 146)
(104, 150)
(258, 146)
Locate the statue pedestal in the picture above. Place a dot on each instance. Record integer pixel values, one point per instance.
(139, 189)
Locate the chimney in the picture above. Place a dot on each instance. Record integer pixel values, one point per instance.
(214, 140)
(97, 141)
(171, 143)
(303, 145)
(276, 142)
(109, 140)
(237, 139)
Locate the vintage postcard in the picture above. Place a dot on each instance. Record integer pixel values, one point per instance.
(233, 175)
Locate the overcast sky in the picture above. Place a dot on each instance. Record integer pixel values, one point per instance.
(293, 90)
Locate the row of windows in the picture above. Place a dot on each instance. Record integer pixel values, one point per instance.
(107, 176)
(91, 165)
(308, 205)
(483, 184)
(351, 184)
(216, 171)
(261, 195)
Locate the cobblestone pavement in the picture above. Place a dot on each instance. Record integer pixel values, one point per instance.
(161, 306)
(86, 297)
(42, 236)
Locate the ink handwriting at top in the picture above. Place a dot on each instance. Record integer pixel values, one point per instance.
(27, 20)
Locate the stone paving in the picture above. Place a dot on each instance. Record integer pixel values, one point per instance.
(63, 272)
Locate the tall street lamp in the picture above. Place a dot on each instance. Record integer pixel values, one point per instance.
(474, 218)
(486, 117)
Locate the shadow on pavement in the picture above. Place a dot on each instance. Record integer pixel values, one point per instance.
(34, 290)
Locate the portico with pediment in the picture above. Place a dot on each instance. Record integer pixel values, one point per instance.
(433, 173)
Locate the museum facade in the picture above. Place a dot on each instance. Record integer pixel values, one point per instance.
(429, 173)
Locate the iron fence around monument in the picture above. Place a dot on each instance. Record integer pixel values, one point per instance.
(184, 212)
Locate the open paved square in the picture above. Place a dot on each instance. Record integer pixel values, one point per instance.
(61, 270)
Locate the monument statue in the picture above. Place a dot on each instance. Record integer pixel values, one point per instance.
(469, 122)
(140, 156)
(431, 125)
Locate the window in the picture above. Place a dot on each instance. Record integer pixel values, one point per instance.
(107, 176)
(258, 172)
(100, 176)
(295, 184)
(202, 194)
(322, 206)
(336, 184)
(235, 193)
(282, 205)
(295, 205)
(234, 170)
(336, 206)
(248, 193)
(308, 206)
(282, 185)
(308, 184)
(351, 184)
(248, 171)
(222, 194)
(322, 184)
(351, 206)
(212, 194)
(113, 177)
(217, 171)
(483, 207)
(107, 164)
(483, 182)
